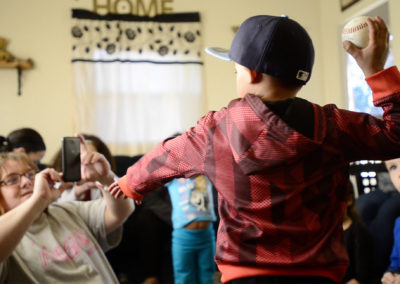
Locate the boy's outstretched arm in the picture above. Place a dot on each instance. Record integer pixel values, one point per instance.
(372, 58)
(180, 156)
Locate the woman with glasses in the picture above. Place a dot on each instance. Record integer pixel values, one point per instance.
(46, 242)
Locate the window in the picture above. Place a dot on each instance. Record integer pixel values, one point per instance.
(138, 80)
(359, 93)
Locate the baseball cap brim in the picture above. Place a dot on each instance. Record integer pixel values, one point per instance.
(218, 52)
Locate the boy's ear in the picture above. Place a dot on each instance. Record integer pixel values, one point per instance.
(255, 76)
(251, 76)
(19, 150)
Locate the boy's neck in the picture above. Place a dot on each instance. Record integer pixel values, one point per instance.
(276, 95)
(270, 89)
(273, 94)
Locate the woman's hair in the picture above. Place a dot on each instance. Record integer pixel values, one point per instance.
(27, 138)
(14, 156)
(350, 210)
(100, 146)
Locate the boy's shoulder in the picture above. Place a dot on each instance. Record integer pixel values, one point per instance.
(235, 108)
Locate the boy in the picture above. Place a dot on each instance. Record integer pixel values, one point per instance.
(279, 163)
(392, 274)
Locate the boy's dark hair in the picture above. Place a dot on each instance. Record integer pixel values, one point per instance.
(27, 138)
(277, 46)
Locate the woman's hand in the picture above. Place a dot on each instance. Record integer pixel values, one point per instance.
(43, 189)
(396, 278)
(389, 278)
(82, 187)
(94, 166)
(352, 281)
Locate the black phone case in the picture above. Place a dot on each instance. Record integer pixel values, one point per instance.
(71, 159)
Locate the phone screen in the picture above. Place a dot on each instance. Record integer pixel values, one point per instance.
(71, 159)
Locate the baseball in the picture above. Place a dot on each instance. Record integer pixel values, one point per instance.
(356, 31)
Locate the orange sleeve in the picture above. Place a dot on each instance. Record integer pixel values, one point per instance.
(131, 193)
(384, 83)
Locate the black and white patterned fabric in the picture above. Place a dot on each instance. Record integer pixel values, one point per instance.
(163, 39)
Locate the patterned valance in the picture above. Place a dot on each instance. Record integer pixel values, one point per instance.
(162, 39)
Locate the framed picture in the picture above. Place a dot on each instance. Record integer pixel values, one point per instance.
(344, 4)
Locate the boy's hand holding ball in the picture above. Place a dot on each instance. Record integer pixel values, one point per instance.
(356, 31)
(367, 41)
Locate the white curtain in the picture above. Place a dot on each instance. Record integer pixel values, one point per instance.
(138, 80)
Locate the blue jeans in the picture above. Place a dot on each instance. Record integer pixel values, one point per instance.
(193, 255)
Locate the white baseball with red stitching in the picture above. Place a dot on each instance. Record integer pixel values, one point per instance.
(356, 31)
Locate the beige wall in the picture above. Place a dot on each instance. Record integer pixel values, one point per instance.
(40, 30)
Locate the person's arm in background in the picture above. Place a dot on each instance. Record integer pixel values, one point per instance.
(80, 191)
(95, 167)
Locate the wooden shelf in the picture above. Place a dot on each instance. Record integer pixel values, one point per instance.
(22, 64)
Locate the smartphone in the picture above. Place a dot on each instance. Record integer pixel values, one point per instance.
(71, 159)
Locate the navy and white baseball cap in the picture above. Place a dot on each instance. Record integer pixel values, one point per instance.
(277, 46)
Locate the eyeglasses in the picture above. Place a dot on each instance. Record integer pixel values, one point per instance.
(15, 179)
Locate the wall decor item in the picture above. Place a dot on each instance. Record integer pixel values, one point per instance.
(8, 60)
(344, 4)
(133, 7)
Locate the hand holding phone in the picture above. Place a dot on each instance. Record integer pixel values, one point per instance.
(71, 159)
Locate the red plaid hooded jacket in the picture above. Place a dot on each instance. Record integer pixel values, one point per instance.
(281, 195)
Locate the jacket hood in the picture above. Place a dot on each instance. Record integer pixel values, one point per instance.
(285, 145)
